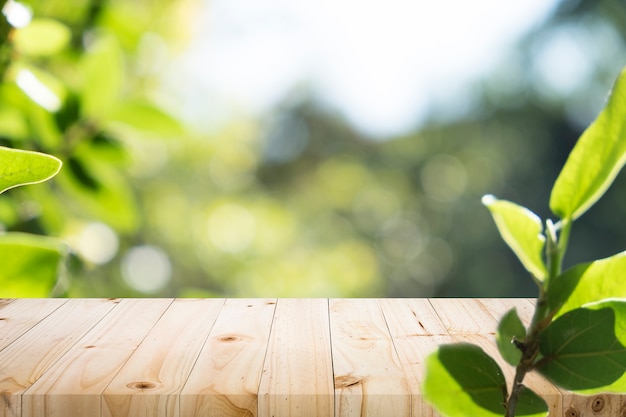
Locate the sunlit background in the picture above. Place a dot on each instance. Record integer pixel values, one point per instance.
(303, 148)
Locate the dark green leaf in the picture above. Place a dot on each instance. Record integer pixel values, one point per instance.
(30, 265)
(82, 174)
(510, 328)
(521, 229)
(105, 147)
(618, 306)
(19, 167)
(595, 160)
(69, 113)
(530, 404)
(463, 381)
(582, 352)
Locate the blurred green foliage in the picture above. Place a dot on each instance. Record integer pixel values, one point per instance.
(298, 203)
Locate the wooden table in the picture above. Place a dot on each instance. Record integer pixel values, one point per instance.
(243, 357)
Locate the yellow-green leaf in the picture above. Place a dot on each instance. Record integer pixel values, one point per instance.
(596, 159)
(521, 229)
(103, 72)
(42, 37)
(587, 283)
(30, 265)
(146, 118)
(463, 381)
(18, 167)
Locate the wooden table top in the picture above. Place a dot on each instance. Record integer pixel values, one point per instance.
(243, 357)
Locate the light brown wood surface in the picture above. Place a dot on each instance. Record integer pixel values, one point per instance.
(245, 357)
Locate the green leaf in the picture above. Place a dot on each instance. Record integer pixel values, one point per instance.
(463, 381)
(618, 305)
(100, 191)
(18, 167)
(510, 328)
(529, 404)
(30, 265)
(522, 230)
(595, 160)
(587, 283)
(107, 148)
(39, 122)
(102, 70)
(12, 123)
(581, 351)
(146, 118)
(42, 37)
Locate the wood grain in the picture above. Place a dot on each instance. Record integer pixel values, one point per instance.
(225, 379)
(416, 331)
(297, 377)
(369, 380)
(151, 380)
(17, 316)
(246, 357)
(90, 365)
(29, 357)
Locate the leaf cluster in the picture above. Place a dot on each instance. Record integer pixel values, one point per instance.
(576, 338)
(65, 91)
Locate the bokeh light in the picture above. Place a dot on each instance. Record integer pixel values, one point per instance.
(96, 242)
(146, 268)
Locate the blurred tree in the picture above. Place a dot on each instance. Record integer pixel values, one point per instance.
(299, 203)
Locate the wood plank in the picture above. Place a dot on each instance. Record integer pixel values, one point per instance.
(17, 316)
(74, 385)
(225, 380)
(30, 356)
(254, 358)
(369, 380)
(151, 380)
(499, 306)
(462, 316)
(416, 331)
(297, 377)
(601, 405)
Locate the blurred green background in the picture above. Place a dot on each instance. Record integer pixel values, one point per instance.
(298, 200)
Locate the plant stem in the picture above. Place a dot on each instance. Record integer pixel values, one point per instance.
(555, 250)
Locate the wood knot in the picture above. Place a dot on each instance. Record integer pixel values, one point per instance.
(141, 385)
(598, 403)
(572, 412)
(346, 381)
(228, 339)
